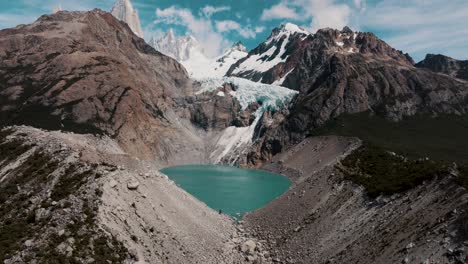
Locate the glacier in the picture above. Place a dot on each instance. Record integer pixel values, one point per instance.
(235, 141)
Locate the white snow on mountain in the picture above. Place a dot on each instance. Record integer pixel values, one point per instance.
(233, 141)
(123, 10)
(179, 48)
(286, 30)
(276, 52)
(203, 67)
(188, 51)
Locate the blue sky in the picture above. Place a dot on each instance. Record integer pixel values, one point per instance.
(414, 26)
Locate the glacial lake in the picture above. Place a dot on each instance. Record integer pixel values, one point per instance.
(232, 190)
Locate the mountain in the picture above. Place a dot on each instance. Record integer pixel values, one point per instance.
(89, 113)
(97, 78)
(123, 10)
(269, 62)
(189, 52)
(179, 48)
(202, 67)
(340, 72)
(446, 65)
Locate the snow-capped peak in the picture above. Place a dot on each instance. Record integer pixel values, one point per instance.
(179, 48)
(287, 30)
(123, 10)
(239, 46)
(189, 52)
(290, 27)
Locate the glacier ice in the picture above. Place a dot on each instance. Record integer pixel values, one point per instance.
(233, 141)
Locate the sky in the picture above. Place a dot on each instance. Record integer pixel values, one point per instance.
(414, 26)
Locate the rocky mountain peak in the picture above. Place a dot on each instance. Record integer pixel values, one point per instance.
(57, 9)
(285, 31)
(123, 10)
(179, 48)
(239, 46)
(446, 65)
(89, 73)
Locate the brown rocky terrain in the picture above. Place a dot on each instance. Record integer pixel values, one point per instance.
(446, 65)
(87, 72)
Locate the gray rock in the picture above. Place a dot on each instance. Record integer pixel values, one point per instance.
(113, 183)
(29, 243)
(248, 247)
(133, 185)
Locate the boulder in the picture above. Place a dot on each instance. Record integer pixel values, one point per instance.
(248, 247)
(133, 185)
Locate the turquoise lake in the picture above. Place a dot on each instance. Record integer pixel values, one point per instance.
(232, 190)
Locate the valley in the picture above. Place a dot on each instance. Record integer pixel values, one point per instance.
(338, 147)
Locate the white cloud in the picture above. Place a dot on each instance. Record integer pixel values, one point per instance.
(318, 13)
(202, 28)
(208, 10)
(230, 25)
(280, 11)
(259, 29)
(327, 13)
(422, 26)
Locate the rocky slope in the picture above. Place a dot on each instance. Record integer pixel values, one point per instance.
(344, 72)
(446, 65)
(71, 198)
(326, 219)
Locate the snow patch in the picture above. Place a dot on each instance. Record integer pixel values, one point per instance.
(281, 81)
(220, 93)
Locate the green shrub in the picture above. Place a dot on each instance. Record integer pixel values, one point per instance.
(69, 183)
(382, 172)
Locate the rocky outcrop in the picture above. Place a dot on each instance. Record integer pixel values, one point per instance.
(123, 10)
(446, 65)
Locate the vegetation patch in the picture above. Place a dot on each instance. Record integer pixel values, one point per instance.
(70, 182)
(440, 138)
(383, 172)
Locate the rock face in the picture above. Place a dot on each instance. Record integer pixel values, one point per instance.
(123, 10)
(446, 65)
(338, 72)
(179, 48)
(88, 72)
